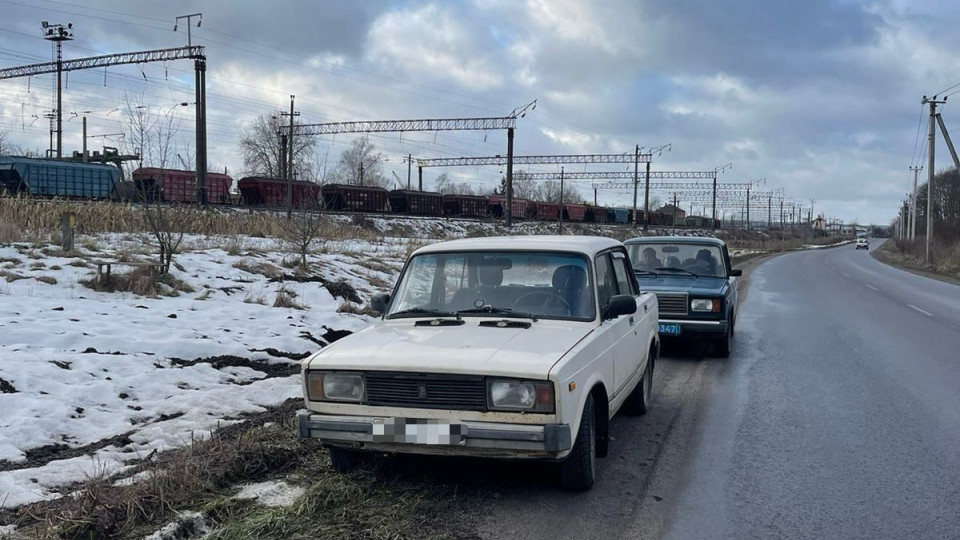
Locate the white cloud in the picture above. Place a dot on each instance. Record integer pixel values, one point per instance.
(430, 43)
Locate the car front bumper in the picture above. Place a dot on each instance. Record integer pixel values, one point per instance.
(698, 329)
(482, 439)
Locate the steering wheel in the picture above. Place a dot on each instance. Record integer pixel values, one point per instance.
(558, 300)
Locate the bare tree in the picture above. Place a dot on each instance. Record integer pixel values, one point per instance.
(549, 191)
(154, 136)
(6, 147)
(361, 165)
(301, 231)
(260, 147)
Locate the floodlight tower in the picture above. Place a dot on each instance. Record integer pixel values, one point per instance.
(58, 33)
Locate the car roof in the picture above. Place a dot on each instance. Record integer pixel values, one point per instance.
(588, 245)
(693, 240)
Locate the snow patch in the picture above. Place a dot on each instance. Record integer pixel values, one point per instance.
(187, 526)
(272, 493)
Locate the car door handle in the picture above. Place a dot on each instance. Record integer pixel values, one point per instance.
(631, 320)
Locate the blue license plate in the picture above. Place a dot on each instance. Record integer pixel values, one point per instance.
(669, 329)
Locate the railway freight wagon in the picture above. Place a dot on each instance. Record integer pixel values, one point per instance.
(56, 178)
(518, 207)
(618, 215)
(545, 211)
(419, 203)
(354, 198)
(174, 185)
(574, 212)
(596, 214)
(466, 205)
(272, 193)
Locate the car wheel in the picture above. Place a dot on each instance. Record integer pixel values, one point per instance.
(639, 399)
(721, 347)
(579, 469)
(343, 459)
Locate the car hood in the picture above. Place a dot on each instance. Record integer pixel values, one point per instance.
(681, 284)
(466, 349)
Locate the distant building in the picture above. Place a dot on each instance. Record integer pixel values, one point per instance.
(819, 224)
(671, 210)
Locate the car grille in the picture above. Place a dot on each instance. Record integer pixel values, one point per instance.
(672, 304)
(426, 391)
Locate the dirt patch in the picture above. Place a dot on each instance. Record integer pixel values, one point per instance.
(7, 388)
(220, 362)
(332, 335)
(40, 456)
(283, 354)
(338, 289)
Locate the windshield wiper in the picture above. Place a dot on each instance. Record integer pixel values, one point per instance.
(672, 269)
(645, 272)
(422, 311)
(500, 311)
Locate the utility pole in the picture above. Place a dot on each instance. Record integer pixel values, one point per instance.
(714, 203)
(769, 212)
(931, 148)
(646, 199)
(560, 214)
(748, 209)
(508, 211)
(189, 19)
(200, 74)
(282, 166)
(636, 182)
(84, 139)
(913, 204)
(419, 178)
(595, 196)
(292, 114)
(361, 171)
(58, 33)
(675, 203)
(409, 169)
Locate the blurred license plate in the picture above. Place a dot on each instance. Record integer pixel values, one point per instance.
(418, 431)
(669, 329)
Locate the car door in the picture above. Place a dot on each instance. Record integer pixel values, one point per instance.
(630, 352)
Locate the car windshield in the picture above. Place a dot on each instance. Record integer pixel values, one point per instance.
(496, 284)
(677, 258)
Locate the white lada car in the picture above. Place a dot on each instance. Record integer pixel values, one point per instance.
(511, 347)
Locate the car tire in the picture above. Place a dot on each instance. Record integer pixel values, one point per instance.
(721, 347)
(638, 402)
(343, 459)
(579, 470)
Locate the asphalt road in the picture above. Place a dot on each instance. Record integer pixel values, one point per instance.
(837, 416)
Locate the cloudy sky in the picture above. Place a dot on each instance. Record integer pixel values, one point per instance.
(819, 97)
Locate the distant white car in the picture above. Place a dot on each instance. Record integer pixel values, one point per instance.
(862, 243)
(516, 347)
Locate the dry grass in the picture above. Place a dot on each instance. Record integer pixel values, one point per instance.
(254, 298)
(350, 307)
(258, 267)
(286, 299)
(11, 276)
(373, 502)
(946, 256)
(49, 280)
(25, 219)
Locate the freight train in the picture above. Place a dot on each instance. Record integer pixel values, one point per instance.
(75, 180)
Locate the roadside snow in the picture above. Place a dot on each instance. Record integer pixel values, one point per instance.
(7, 530)
(187, 526)
(94, 381)
(272, 493)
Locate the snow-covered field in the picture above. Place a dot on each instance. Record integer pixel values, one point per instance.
(117, 376)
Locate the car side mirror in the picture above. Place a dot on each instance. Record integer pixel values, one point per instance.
(620, 304)
(379, 303)
(736, 272)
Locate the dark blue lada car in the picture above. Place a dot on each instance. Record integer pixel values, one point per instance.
(694, 283)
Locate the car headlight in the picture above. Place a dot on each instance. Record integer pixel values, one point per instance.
(705, 305)
(513, 395)
(327, 386)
